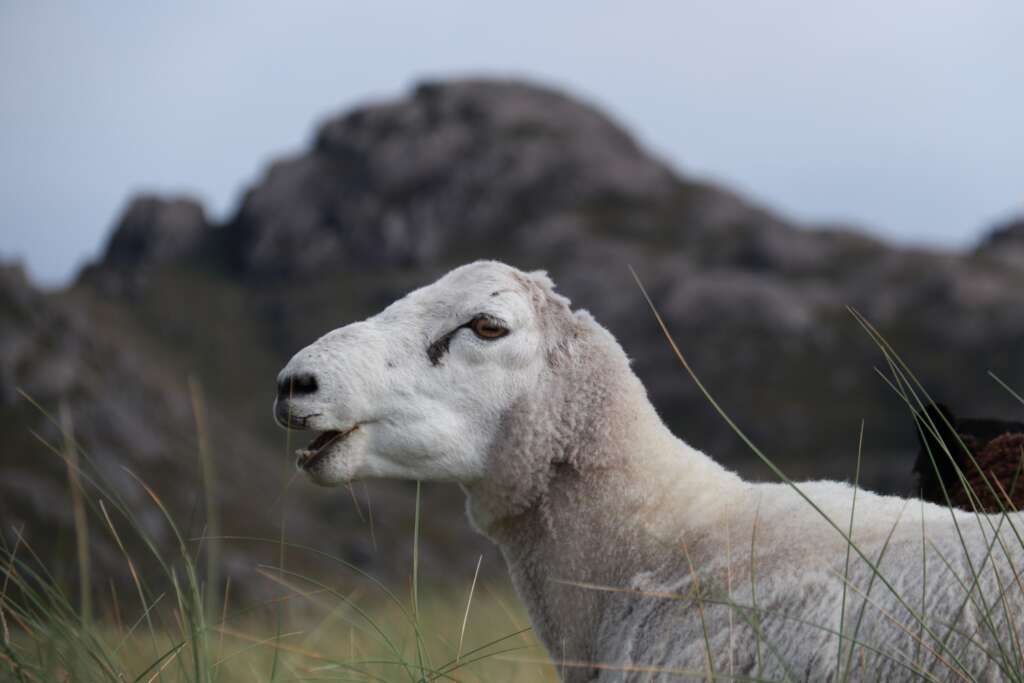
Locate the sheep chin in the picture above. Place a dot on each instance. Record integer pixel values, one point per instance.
(312, 458)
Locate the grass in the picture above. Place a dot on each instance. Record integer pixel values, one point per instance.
(181, 623)
(321, 634)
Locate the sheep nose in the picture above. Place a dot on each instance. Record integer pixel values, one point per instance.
(302, 384)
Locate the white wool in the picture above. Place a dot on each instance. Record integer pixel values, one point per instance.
(635, 553)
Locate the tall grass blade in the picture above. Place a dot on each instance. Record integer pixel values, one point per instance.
(469, 603)
(208, 477)
(78, 514)
(846, 565)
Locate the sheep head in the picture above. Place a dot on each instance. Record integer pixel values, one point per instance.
(423, 390)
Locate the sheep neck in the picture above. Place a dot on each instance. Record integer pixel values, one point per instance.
(593, 506)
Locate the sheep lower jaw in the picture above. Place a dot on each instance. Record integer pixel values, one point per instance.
(307, 458)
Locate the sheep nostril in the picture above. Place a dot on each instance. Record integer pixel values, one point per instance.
(297, 385)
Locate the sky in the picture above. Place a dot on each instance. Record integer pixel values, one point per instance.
(903, 119)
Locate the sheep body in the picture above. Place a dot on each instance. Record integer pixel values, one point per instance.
(610, 524)
(636, 521)
(639, 557)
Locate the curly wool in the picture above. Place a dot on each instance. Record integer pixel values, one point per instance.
(985, 453)
(1000, 466)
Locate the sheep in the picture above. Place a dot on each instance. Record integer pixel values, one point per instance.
(997, 449)
(638, 557)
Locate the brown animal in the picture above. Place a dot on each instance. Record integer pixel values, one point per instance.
(997, 447)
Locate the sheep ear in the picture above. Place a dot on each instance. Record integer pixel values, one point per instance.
(936, 431)
(935, 427)
(545, 288)
(542, 278)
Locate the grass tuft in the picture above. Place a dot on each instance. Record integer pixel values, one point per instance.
(181, 628)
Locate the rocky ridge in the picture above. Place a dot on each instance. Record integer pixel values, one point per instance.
(392, 194)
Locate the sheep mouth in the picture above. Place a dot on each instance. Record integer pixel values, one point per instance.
(308, 457)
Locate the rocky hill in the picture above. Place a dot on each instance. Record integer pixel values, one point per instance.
(391, 195)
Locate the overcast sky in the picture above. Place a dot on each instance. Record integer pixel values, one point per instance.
(904, 118)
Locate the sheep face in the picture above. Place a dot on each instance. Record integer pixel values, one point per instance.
(419, 391)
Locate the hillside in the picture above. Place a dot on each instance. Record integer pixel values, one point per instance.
(393, 194)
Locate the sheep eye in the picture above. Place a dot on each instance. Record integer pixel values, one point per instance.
(485, 328)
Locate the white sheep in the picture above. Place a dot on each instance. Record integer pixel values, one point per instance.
(637, 556)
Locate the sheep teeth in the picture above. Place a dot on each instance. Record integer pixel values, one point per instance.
(306, 456)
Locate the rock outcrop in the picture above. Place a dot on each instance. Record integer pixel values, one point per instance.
(153, 230)
(1006, 243)
(406, 183)
(390, 195)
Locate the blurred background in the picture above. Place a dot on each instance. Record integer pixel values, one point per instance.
(192, 193)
